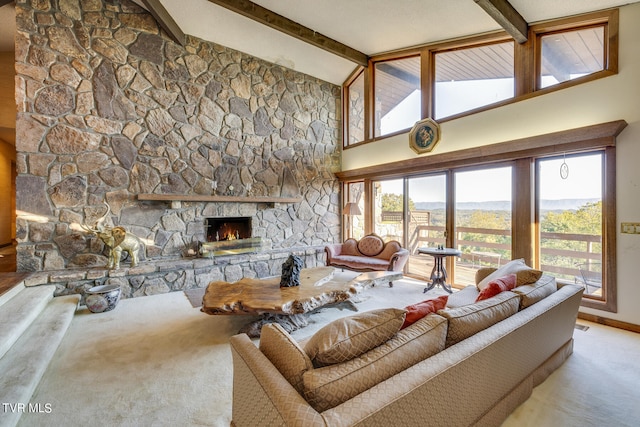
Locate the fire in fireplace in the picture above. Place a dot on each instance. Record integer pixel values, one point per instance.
(227, 228)
(230, 236)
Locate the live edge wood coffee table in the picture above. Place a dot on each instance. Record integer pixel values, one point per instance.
(288, 306)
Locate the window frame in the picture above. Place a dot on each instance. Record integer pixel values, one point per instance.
(372, 67)
(608, 19)
(522, 153)
(463, 45)
(527, 61)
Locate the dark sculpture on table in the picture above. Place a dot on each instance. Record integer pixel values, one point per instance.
(291, 271)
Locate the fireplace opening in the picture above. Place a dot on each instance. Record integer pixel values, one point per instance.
(227, 228)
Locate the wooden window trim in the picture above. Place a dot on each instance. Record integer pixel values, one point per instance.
(525, 66)
(608, 18)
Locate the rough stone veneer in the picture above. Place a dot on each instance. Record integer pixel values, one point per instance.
(110, 107)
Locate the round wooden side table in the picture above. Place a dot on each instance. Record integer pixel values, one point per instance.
(439, 272)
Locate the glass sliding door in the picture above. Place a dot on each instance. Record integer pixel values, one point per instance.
(482, 220)
(388, 207)
(570, 217)
(426, 220)
(353, 210)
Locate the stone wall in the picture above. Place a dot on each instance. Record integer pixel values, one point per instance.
(110, 107)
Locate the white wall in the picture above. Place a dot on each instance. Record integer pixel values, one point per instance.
(611, 98)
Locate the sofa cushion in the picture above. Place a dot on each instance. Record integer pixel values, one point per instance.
(531, 294)
(371, 245)
(524, 273)
(332, 385)
(389, 249)
(360, 262)
(496, 286)
(349, 247)
(469, 319)
(285, 354)
(349, 337)
(464, 296)
(419, 310)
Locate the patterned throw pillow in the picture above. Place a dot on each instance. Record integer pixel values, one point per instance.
(470, 319)
(496, 286)
(419, 310)
(531, 294)
(332, 385)
(349, 337)
(524, 273)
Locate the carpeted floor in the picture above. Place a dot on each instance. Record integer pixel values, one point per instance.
(157, 361)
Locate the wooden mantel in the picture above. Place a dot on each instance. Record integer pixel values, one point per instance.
(207, 198)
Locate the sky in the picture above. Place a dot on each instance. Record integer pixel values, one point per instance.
(495, 184)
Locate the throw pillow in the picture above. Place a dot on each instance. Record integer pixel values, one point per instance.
(330, 386)
(531, 294)
(524, 273)
(349, 337)
(419, 310)
(470, 319)
(496, 286)
(527, 276)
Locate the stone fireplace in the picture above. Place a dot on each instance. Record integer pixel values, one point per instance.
(112, 113)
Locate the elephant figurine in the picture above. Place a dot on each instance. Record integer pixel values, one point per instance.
(117, 239)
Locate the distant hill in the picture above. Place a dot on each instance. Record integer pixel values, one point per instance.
(503, 205)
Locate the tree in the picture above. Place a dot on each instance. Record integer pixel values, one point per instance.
(393, 203)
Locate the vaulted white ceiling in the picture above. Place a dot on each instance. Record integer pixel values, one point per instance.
(369, 26)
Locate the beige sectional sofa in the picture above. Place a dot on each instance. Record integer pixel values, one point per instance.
(470, 364)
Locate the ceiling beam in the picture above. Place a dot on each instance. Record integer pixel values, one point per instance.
(508, 18)
(278, 22)
(165, 20)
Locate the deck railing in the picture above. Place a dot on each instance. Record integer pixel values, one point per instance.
(481, 250)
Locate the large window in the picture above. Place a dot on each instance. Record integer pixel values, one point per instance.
(397, 95)
(355, 101)
(555, 210)
(483, 220)
(570, 213)
(452, 78)
(426, 219)
(389, 209)
(473, 77)
(571, 54)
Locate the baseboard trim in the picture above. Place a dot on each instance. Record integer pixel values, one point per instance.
(609, 322)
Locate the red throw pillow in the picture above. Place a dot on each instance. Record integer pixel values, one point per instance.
(496, 286)
(419, 310)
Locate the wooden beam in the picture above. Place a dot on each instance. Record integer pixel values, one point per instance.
(508, 18)
(278, 22)
(165, 20)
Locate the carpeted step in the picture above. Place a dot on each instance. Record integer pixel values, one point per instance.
(17, 313)
(24, 364)
(9, 294)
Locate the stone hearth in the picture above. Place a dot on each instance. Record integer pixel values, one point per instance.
(161, 276)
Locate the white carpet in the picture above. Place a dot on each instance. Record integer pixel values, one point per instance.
(156, 361)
